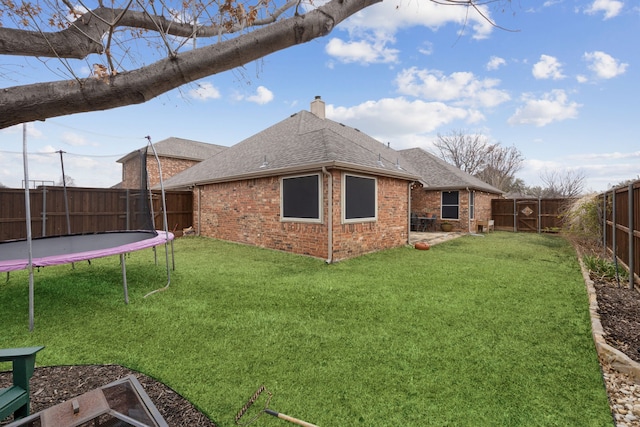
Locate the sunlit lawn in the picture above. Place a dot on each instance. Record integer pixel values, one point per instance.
(478, 331)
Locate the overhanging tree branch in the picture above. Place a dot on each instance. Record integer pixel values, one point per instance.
(40, 101)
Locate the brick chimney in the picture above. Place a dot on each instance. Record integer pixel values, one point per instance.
(317, 107)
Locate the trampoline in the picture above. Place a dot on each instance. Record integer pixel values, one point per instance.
(48, 251)
(84, 245)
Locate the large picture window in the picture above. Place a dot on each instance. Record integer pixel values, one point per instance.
(450, 205)
(300, 198)
(359, 198)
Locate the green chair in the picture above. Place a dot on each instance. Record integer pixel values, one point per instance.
(15, 399)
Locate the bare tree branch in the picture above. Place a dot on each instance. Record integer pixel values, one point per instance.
(39, 101)
(258, 29)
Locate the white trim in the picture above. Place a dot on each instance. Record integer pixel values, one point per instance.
(318, 220)
(442, 205)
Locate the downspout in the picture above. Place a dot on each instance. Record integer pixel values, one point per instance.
(469, 210)
(199, 209)
(329, 215)
(409, 212)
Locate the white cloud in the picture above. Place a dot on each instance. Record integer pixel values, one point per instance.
(389, 119)
(76, 140)
(547, 68)
(205, 91)
(374, 28)
(462, 88)
(388, 17)
(362, 51)
(262, 96)
(495, 62)
(426, 49)
(603, 65)
(554, 106)
(32, 130)
(614, 155)
(611, 8)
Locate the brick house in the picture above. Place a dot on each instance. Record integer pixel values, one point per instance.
(175, 155)
(306, 185)
(312, 186)
(448, 192)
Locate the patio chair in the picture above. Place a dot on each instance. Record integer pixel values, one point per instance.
(15, 399)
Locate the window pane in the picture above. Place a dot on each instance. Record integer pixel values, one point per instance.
(360, 197)
(450, 205)
(300, 197)
(449, 212)
(449, 197)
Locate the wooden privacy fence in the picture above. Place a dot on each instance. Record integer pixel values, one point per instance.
(90, 210)
(621, 226)
(532, 215)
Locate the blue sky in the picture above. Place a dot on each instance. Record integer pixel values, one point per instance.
(559, 81)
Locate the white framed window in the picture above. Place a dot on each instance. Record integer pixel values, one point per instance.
(472, 204)
(359, 198)
(450, 205)
(301, 198)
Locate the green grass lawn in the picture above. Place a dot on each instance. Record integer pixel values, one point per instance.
(489, 331)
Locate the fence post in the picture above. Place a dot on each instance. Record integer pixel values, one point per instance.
(631, 239)
(44, 210)
(539, 215)
(604, 222)
(127, 217)
(515, 215)
(614, 245)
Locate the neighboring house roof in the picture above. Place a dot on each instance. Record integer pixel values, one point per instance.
(299, 143)
(436, 174)
(179, 148)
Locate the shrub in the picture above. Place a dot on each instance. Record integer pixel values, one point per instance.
(604, 268)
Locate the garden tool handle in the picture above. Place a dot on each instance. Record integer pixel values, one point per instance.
(288, 418)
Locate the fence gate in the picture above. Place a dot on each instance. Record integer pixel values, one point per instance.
(527, 215)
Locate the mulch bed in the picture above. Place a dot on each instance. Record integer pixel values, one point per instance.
(619, 309)
(57, 384)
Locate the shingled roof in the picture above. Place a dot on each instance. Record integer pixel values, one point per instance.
(436, 174)
(179, 148)
(300, 143)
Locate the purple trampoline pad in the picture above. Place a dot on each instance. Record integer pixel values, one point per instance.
(56, 250)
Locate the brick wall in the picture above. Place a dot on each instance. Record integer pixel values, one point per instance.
(131, 173)
(249, 212)
(425, 201)
(389, 231)
(170, 167)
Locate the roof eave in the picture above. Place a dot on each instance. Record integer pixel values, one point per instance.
(306, 168)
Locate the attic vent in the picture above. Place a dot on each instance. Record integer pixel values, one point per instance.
(380, 160)
(264, 163)
(398, 164)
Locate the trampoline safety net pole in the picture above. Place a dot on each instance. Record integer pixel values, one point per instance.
(27, 207)
(164, 217)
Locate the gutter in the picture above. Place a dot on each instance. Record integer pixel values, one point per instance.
(329, 215)
(349, 167)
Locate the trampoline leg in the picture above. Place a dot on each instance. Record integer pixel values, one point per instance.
(124, 278)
